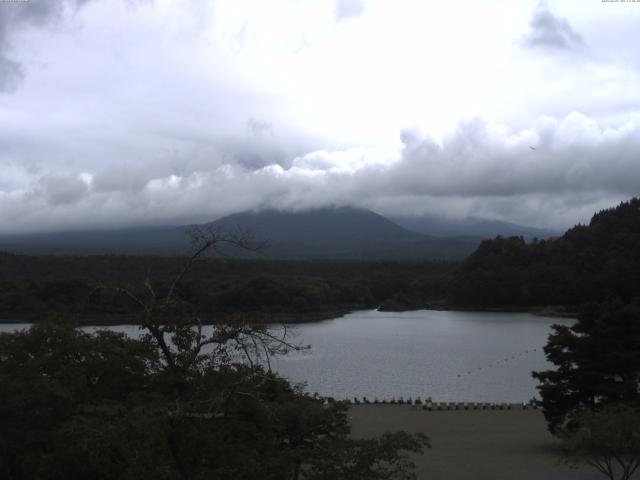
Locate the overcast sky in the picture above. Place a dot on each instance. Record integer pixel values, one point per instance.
(128, 112)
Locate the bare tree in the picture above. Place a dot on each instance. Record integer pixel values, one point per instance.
(177, 330)
(607, 440)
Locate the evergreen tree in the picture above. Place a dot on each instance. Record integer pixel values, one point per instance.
(597, 363)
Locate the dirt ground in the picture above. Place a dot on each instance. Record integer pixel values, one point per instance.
(474, 444)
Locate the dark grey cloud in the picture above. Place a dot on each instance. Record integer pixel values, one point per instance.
(62, 189)
(477, 159)
(577, 167)
(346, 9)
(550, 32)
(479, 169)
(129, 178)
(11, 74)
(15, 16)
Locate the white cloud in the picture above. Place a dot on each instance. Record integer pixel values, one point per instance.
(168, 111)
(550, 174)
(346, 9)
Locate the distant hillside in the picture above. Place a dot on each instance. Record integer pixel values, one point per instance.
(132, 241)
(588, 263)
(329, 233)
(470, 227)
(342, 233)
(327, 228)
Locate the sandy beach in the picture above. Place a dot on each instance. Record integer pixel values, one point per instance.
(474, 444)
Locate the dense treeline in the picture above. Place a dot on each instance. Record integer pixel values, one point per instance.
(591, 262)
(37, 287)
(176, 403)
(594, 262)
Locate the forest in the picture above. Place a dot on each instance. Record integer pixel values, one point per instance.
(75, 405)
(86, 287)
(594, 262)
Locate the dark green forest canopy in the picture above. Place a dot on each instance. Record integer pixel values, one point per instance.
(588, 263)
(104, 406)
(34, 287)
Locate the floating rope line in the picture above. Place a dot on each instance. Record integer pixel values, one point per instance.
(497, 363)
(429, 405)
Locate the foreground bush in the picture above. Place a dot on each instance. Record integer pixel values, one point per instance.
(104, 406)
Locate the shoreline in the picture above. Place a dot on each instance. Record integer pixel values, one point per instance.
(110, 320)
(558, 311)
(288, 318)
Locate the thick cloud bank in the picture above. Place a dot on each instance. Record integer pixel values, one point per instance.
(550, 174)
(131, 112)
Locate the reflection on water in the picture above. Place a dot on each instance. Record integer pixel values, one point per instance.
(451, 356)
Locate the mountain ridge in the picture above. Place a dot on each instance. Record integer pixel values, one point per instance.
(470, 227)
(331, 232)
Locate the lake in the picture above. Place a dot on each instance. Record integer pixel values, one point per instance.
(448, 355)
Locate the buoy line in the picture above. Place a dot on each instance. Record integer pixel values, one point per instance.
(497, 363)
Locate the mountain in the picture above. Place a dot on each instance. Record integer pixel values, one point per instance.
(319, 231)
(338, 233)
(343, 232)
(470, 227)
(324, 228)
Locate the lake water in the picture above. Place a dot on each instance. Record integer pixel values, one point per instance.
(450, 356)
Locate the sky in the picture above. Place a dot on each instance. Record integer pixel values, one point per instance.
(116, 113)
